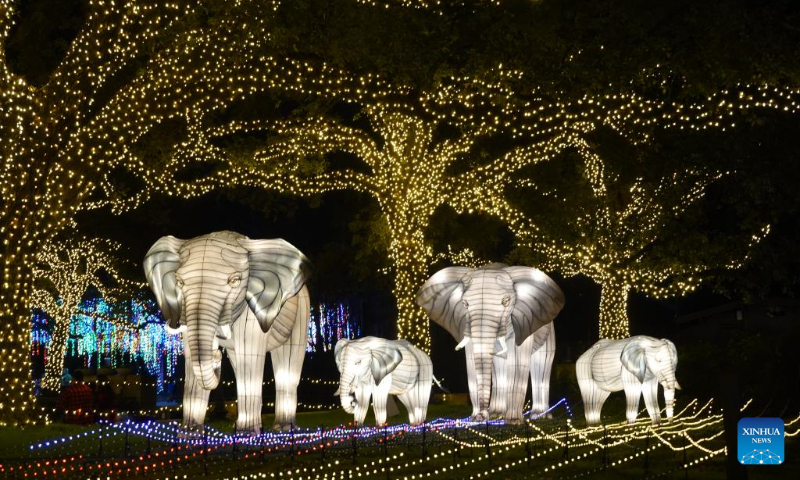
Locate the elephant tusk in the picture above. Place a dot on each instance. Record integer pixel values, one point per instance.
(337, 392)
(463, 343)
(175, 331)
(225, 331)
(503, 347)
(217, 358)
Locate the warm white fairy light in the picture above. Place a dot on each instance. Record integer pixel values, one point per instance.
(63, 273)
(60, 142)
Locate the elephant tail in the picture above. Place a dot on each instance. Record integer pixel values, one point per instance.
(439, 384)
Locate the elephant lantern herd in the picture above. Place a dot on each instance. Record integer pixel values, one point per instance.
(249, 296)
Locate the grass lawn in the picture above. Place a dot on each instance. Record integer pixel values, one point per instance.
(536, 451)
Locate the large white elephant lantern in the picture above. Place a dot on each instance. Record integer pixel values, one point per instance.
(377, 367)
(495, 312)
(637, 365)
(248, 296)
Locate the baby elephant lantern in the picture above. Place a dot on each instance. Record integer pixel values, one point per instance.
(492, 311)
(376, 367)
(636, 365)
(248, 296)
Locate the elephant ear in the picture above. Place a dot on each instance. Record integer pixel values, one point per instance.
(539, 299)
(278, 271)
(384, 360)
(160, 264)
(337, 351)
(440, 297)
(634, 359)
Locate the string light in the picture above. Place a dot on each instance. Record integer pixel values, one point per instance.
(62, 144)
(64, 272)
(696, 431)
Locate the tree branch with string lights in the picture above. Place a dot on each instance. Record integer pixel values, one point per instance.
(63, 274)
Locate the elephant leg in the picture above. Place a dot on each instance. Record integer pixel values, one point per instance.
(424, 397)
(287, 361)
(519, 358)
(593, 399)
(633, 392)
(362, 394)
(248, 365)
(472, 379)
(650, 392)
(500, 386)
(195, 397)
(541, 367)
(419, 395)
(405, 399)
(669, 401)
(380, 395)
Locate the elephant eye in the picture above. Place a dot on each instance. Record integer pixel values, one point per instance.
(234, 280)
(178, 282)
(506, 301)
(358, 362)
(466, 304)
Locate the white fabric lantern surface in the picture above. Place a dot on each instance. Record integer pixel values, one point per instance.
(502, 317)
(376, 367)
(637, 365)
(248, 296)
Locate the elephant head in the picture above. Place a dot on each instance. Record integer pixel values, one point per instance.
(361, 363)
(204, 284)
(483, 306)
(646, 357)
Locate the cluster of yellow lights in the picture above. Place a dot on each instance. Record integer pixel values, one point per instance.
(64, 271)
(60, 143)
(465, 257)
(689, 431)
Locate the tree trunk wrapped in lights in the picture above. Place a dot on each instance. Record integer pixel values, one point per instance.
(614, 310)
(64, 271)
(130, 68)
(146, 67)
(615, 234)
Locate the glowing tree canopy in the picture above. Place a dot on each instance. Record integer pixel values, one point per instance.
(614, 230)
(248, 296)
(64, 272)
(375, 367)
(493, 311)
(637, 365)
(146, 70)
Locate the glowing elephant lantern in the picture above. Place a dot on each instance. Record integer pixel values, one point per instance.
(248, 296)
(637, 365)
(495, 313)
(377, 367)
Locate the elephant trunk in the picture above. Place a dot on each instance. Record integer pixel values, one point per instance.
(670, 384)
(483, 350)
(346, 393)
(203, 343)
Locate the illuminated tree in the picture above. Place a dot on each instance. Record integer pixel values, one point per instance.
(63, 273)
(626, 227)
(130, 68)
(399, 155)
(138, 70)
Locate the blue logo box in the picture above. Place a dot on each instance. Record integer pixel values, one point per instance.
(760, 441)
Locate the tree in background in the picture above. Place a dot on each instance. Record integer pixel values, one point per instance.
(125, 69)
(628, 218)
(141, 91)
(63, 273)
